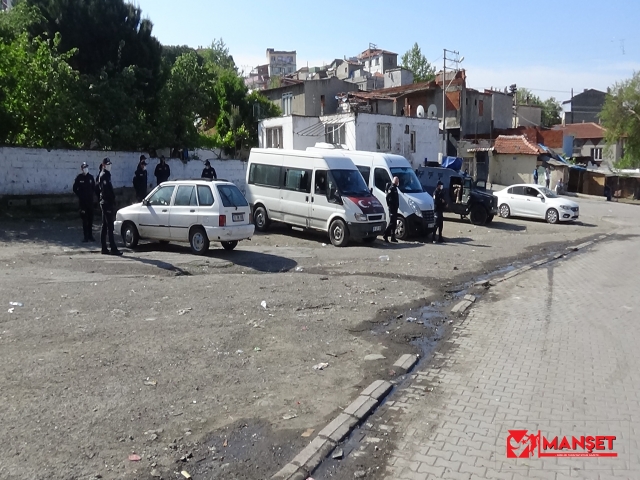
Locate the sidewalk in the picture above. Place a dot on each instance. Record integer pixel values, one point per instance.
(554, 349)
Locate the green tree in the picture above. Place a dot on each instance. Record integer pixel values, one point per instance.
(551, 108)
(415, 61)
(218, 54)
(621, 117)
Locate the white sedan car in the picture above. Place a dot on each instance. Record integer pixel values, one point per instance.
(535, 201)
(194, 211)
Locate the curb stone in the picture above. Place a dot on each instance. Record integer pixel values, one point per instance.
(406, 362)
(337, 430)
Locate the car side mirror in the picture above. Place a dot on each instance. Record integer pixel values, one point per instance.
(540, 196)
(145, 202)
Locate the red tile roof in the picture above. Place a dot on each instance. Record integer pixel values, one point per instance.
(515, 145)
(583, 130)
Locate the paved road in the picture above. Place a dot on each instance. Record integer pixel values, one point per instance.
(554, 349)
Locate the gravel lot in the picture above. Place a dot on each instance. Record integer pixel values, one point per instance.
(172, 357)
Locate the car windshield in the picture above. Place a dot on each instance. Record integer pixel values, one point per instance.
(409, 182)
(350, 183)
(548, 193)
(231, 196)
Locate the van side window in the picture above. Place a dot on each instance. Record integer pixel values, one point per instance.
(266, 175)
(366, 173)
(321, 182)
(381, 179)
(298, 180)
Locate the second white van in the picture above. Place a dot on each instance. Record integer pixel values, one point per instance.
(415, 215)
(315, 190)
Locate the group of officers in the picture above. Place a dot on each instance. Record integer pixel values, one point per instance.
(85, 187)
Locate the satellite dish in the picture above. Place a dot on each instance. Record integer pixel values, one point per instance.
(432, 111)
(420, 111)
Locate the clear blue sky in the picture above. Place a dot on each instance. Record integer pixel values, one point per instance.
(547, 46)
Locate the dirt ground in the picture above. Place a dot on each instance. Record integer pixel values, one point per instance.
(158, 362)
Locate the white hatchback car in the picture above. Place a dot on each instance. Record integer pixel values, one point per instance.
(535, 201)
(194, 211)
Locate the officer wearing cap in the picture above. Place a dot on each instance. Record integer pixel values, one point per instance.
(162, 171)
(108, 206)
(140, 179)
(209, 172)
(439, 205)
(84, 187)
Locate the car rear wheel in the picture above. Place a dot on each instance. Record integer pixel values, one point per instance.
(229, 245)
(552, 216)
(130, 235)
(401, 228)
(261, 219)
(199, 241)
(478, 215)
(505, 211)
(338, 233)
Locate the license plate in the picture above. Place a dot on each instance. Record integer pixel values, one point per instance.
(377, 229)
(431, 225)
(238, 217)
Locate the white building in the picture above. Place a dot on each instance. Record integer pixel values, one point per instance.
(417, 139)
(281, 62)
(375, 60)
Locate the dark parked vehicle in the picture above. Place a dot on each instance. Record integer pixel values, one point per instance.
(465, 197)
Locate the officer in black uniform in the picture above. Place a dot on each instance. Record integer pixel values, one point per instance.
(209, 172)
(84, 187)
(140, 179)
(108, 206)
(393, 202)
(439, 204)
(162, 171)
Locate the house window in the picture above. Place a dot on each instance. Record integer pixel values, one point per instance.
(274, 138)
(377, 61)
(321, 104)
(287, 100)
(335, 134)
(383, 137)
(596, 153)
(412, 140)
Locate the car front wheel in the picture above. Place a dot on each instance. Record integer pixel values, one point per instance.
(478, 215)
(552, 216)
(199, 241)
(261, 219)
(130, 235)
(338, 233)
(401, 228)
(505, 212)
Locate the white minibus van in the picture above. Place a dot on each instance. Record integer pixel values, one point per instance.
(415, 214)
(314, 190)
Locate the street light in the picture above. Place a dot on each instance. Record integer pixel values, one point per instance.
(458, 60)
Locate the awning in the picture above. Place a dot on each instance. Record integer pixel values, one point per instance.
(318, 129)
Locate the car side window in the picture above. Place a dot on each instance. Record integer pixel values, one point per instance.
(205, 197)
(162, 196)
(366, 173)
(531, 192)
(516, 190)
(186, 196)
(381, 179)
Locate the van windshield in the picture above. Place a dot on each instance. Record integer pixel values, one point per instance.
(349, 183)
(409, 183)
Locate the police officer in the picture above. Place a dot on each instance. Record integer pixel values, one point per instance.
(140, 179)
(108, 206)
(84, 187)
(209, 172)
(162, 171)
(439, 204)
(393, 202)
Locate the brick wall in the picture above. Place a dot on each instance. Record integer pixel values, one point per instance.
(25, 171)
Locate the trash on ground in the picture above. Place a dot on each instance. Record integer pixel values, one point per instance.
(400, 316)
(299, 269)
(185, 474)
(289, 416)
(359, 474)
(338, 454)
(411, 319)
(383, 258)
(239, 352)
(308, 432)
(264, 304)
(225, 444)
(320, 366)
(184, 310)
(16, 304)
(134, 457)
(150, 383)
(324, 244)
(257, 349)
(374, 356)
(11, 310)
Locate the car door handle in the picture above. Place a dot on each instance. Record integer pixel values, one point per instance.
(192, 211)
(164, 210)
(307, 198)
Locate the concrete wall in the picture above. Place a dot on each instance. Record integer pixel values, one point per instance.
(27, 171)
(501, 109)
(396, 77)
(511, 169)
(427, 142)
(528, 115)
(330, 87)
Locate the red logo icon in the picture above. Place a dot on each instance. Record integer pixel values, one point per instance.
(522, 444)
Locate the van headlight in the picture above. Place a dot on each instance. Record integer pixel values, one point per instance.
(414, 206)
(361, 217)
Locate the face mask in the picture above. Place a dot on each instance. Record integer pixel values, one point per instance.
(85, 170)
(107, 168)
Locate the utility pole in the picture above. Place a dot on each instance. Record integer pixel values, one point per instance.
(457, 60)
